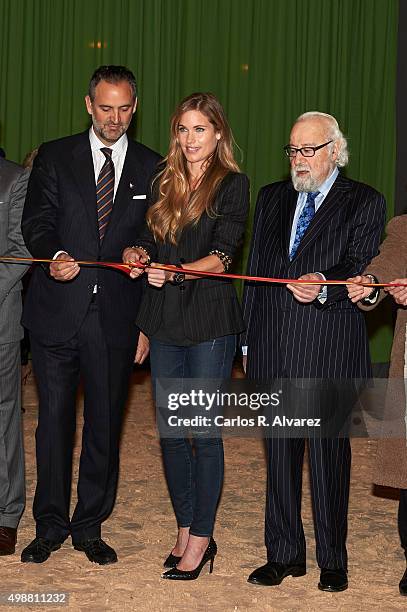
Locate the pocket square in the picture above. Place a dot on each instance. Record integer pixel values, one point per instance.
(139, 197)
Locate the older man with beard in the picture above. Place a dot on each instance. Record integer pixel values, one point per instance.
(318, 226)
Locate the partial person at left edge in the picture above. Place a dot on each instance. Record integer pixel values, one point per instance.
(13, 187)
(86, 200)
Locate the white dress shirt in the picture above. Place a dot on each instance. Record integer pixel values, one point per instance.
(119, 150)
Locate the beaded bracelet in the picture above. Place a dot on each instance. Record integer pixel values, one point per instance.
(146, 263)
(225, 259)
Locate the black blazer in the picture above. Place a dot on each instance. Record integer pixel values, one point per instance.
(285, 337)
(210, 307)
(60, 214)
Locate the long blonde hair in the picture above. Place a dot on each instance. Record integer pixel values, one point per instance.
(177, 205)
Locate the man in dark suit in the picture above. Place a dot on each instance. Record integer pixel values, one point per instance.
(13, 187)
(320, 225)
(86, 201)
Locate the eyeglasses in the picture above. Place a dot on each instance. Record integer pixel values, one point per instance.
(305, 151)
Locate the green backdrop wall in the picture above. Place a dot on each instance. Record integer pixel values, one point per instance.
(267, 60)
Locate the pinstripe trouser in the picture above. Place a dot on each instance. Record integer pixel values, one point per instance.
(329, 461)
(12, 482)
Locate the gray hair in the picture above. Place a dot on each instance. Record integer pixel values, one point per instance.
(334, 133)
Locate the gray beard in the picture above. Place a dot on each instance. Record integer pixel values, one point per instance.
(100, 131)
(304, 184)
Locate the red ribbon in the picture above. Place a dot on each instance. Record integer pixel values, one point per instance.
(127, 267)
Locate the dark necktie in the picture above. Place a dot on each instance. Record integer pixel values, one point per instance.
(104, 192)
(304, 220)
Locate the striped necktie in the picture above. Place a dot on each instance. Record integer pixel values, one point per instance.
(104, 192)
(304, 220)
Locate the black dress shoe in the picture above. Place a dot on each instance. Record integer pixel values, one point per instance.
(333, 580)
(97, 551)
(403, 584)
(273, 573)
(8, 539)
(172, 560)
(39, 550)
(209, 555)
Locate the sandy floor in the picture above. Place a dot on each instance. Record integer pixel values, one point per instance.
(142, 529)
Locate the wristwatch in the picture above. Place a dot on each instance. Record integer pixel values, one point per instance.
(178, 278)
(374, 294)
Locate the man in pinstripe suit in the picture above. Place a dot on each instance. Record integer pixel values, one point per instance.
(320, 225)
(13, 186)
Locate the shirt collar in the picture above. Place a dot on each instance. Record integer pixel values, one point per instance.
(96, 144)
(327, 184)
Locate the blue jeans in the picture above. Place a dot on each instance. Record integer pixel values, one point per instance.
(193, 468)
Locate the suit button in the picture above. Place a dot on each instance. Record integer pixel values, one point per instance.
(182, 288)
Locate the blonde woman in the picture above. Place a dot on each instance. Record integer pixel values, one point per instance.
(196, 219)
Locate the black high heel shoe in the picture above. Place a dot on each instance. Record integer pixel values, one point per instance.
(209, 555)
(172, 560)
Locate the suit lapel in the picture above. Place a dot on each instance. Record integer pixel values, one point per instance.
(132, 182)
(337, 196)
(84, 173)
(288, 204)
